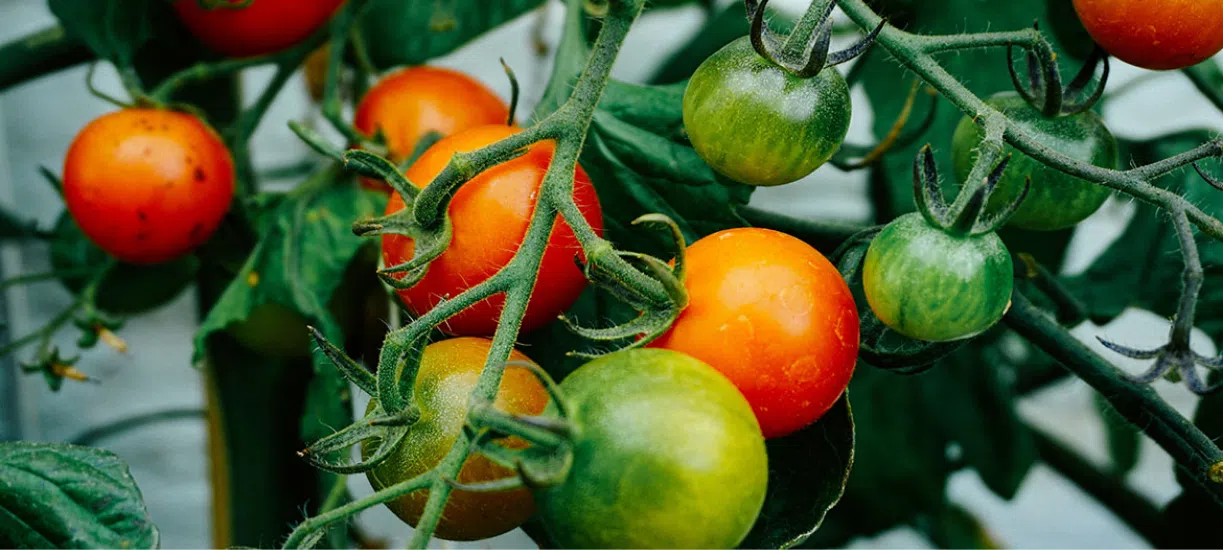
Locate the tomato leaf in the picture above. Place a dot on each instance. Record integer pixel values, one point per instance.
(571, 55)
(113, 29)
(411, 33)
(719, 30)
(66, 496)
(1142, 268)
(808, 471)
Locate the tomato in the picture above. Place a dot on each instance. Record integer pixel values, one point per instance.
(490, 215)
(1056, 200)
(448, 373)
(148, 185)
(668, 455)
(415, 101)
(930, 285)
(1159, 35)
(756, 123)
(774, 316)
(262, 27)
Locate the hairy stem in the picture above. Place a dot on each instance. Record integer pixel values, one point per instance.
(1192, 450)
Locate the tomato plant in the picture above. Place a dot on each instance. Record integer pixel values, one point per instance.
(148, 185)
(410, 103)
(931, 285)
(636, 482)
(1154, 35)
(1056, 200)
(696, 390)
(447, 375)
(774, 316)
(490, 215)
(239, 28)
(756, 123)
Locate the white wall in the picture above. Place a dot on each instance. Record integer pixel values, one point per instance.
(38, 120)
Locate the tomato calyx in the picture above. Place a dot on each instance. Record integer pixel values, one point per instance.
(1044, 90)
(815, 56)
(965, 217)
(656, 316)
(223, 4)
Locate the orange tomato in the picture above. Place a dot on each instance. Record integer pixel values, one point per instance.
(448, 373)
(148, 185)
(773, 315)
(262, 27)
(412, 102)
(490, 215)
(1155, 34)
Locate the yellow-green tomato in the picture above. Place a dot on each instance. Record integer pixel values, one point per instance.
(668, 455)
(756, 123)
(930, 285)
(448, 373)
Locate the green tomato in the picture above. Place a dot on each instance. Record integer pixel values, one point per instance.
(1056, 200)
(127, 289)
(448, 373)
(756, 123)
(668, 455)
(929, 285)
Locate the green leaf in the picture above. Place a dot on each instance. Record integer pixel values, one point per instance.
(1124, 439)
(113, 29)
(808, 471)
(640, 163)
(410, 33)
(955, 527)
(719, 30)
(977, 404)
(127, 289)
(65, 496)
(571, 55)
(1142, 268)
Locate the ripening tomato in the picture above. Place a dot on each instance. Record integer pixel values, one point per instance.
(773, 315)
(448, 373)
(248, 29)
(490, 215)
(667, 455)
(1155, 34)
(415, 101)
(148, 185)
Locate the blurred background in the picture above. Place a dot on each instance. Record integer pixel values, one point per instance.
(169, 459)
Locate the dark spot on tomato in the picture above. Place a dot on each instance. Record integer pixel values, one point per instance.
(148, 151)
(199, 174)
(140, 214)
(195, 230)
(143, 236)
(165, 127)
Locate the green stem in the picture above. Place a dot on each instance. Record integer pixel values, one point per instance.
(1192, 450)
(805, 27)
(93, 435)
(38, 54)
(312, 525)
(1139, 513)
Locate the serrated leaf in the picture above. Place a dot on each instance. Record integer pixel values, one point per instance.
(808, 471)
(113, 29)
(411, 33)
(66, 496)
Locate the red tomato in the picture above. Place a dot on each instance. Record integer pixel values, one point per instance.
(262, 27)
(490, 215)
(415, 101)
(774, 316)
(148, 185)
(1155, 34)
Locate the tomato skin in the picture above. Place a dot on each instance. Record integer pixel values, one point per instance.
(1157, 35)
(490, 215)
(263, 27)
(932, 286)
(448, 373)
(1056, 200)
(757, 124)
(415, 101)
(669, 455)
(148, 185)
(773, 315)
